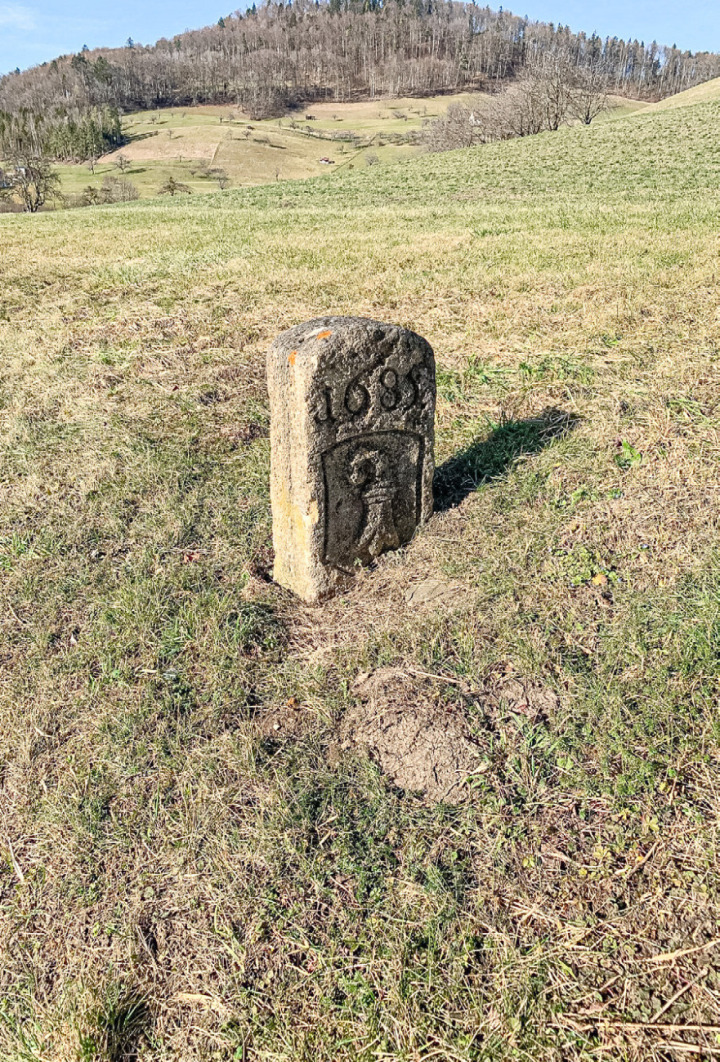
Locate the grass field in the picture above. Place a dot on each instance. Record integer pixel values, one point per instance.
(179, 142)
(186, 143)
(194, 866)
(704, 93)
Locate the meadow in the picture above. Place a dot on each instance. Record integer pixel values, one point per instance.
(187, 142)
(192, 144)
(192, 863)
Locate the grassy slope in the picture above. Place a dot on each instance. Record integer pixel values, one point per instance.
(620, 107)
(256, 152)
(707, 92)
(172, 877)
(177, 142)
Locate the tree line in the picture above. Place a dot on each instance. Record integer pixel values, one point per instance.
(549, 92)
(282, 55)
(67, 133)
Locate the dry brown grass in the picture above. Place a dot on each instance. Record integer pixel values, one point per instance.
(179, 879)
(176, 142)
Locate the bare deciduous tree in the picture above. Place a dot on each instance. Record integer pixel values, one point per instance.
(553, 80)
(172, 187)
(459, 127)
(590, 94)
(90, 196)
(31, 181)
(520, 110)
(219, 175)
(118, 190)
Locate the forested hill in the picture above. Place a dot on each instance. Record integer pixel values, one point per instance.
(289, 54)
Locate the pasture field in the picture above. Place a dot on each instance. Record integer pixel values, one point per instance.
(703, 93)
(192, 863)
(181, 141)
(189, 143)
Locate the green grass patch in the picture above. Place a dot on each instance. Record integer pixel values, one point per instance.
(192, 863)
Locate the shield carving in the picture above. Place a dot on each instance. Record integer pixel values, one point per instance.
(372, 495)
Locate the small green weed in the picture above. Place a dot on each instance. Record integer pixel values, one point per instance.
(114, 1026)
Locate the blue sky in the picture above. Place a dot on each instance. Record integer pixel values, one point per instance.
(32, 31)
(694, 24)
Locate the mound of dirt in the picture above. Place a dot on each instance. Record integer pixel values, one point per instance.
(422, 745)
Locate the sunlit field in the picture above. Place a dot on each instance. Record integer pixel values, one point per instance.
(202, 146)
(195, 865)
(186, 143)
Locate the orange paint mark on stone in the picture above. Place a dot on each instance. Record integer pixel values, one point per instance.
(323, 335)
(292, 356)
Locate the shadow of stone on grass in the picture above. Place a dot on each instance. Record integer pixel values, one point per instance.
(488, 459)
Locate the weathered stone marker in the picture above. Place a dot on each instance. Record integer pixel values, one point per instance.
(352, 408)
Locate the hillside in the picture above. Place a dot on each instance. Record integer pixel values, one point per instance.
(196, 862)
(187, 143)
(708, 91)
(279, 56)
(195, 144)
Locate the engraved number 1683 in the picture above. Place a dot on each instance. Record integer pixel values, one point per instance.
(357, 398)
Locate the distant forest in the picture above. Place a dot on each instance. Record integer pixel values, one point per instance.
(281, 56)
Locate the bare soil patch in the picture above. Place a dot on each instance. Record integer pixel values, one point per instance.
(422, 742)
(281, 721)
(421, 745)
(432, 592)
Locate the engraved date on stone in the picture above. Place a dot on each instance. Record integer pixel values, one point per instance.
(388, 390)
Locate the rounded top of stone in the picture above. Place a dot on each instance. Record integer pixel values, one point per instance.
(341, 329)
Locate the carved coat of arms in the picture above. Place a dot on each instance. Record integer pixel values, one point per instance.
(372, 495)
